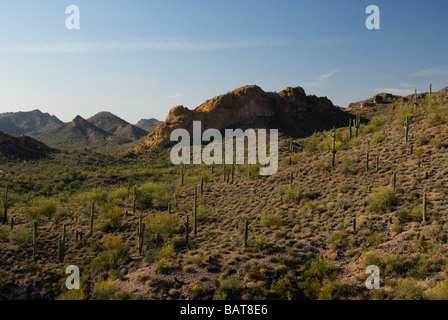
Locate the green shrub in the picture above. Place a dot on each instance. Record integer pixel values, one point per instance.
(42, 207)
(271, 219)
(201, 291)
(439, 291)
(319, 279)
(378, 137)
(229, 289)
(408, 290)
(113, 216)
(104, 290)
(292, 195)
(382, 199)
(158, 227)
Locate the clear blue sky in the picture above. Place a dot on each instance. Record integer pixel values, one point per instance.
(138, 58)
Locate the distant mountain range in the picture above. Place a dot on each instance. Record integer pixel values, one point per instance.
(104, 131)
(148, 124)
(30, 123)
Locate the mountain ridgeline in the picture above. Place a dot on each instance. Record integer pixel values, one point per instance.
(30, 123)
(103, 132)
(290, 111)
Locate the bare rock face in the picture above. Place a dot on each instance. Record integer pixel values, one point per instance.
(249, 104)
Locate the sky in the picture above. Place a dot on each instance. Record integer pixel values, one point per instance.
(138, 59)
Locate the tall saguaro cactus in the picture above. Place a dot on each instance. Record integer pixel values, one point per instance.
(357, 123)
(430, 89)
(424, 207)
(394, 181)
(187, 229)
(140, 233)
(333, 148)
(367, 161)
(350, 129)
(406, 127)
(34, 240)
(246, 231)
(195, 209)
(5, 207)
(133, 199)
(92, 214)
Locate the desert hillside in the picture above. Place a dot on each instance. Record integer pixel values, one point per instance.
(372, 193)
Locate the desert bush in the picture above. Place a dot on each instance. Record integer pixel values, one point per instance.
(438, 292)
(104, 290)
(407, 289)
(378, 137)
(291, 195)
(22, 237)
(382, 199)
(150, 193)
(319, 279)
(229, 289)
(113, 216)
(158, 227)
(271, 219)
(201, 291)
(114, 254)
(285, 288)
(42, 207)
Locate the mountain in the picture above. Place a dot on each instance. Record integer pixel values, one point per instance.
(291, 111)
(148, 124)
(30, 123)
(79, 133)
(117, 126)
(23, 147)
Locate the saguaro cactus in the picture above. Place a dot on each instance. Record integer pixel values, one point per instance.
(424, 207)
(140, 233)
(182, 173)
(5, 207)
(430, 89)
(394, 181)
(377, 163)
(333, 148)
(133, 199)
(357, 123)
(350, 129)
(246, 232)
(92, 214)
(61, 245)
(406, 126)
(291, 179)
(202, 184)
(354, 224)
(367, 161)
(187, 227)
(34, 240)
(195, 226)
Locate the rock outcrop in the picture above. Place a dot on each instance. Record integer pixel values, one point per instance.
(290, 111)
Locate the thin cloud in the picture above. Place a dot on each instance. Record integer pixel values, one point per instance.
(431, 72)
(176, 95)
(320, 80)
(394, 91)
(160, 45)
(327, 75)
